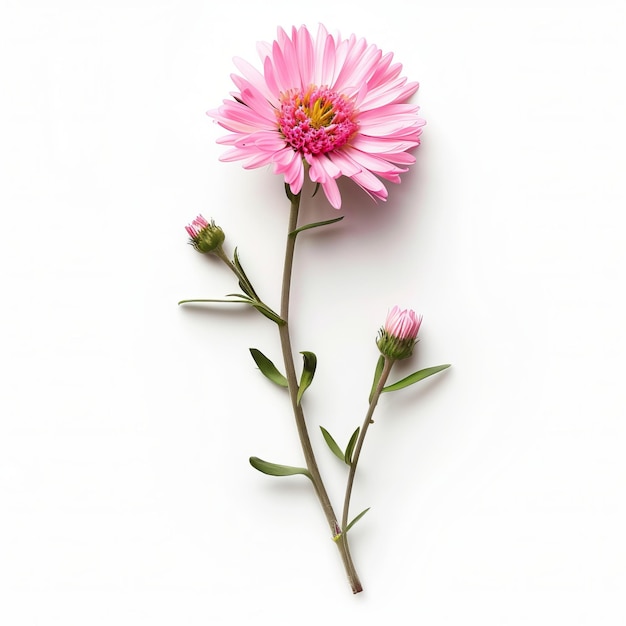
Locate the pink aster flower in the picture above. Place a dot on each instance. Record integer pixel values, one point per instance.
(398, 336)
(324, 105)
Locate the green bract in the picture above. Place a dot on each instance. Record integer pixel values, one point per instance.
(394, 348)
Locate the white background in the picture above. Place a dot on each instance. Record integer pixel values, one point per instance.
(497, 490)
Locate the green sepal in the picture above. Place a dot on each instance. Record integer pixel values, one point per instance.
(356, 519)
(290, 195)
(350, 447)
(268, 369)
(416, 377)
(293, 233)
(379, 370)
(274, 469)
(308, 371)
(332, 444)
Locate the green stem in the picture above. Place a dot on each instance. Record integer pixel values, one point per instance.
(388, 364)
(290, 373)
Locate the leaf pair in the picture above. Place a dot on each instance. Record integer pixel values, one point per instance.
(274, 469)
(346, 456)
(249, 295)
(270, 371)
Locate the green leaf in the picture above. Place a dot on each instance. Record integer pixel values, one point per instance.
(332, 444)
(356, 519)
(246, 301)
(350, 447)
(273, 469)
(239, 295)
(310, 363)
(293, 233)
(245, 284)
(265, 310)
(416, 377)
(379, 370)
(268, 369)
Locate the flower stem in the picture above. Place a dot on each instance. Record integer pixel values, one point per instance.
(388, 364)
(290, 373)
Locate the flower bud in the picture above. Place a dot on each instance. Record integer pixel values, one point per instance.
(205, 237)
(397, 338)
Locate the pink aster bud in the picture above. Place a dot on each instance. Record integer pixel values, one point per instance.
(397, 338)
(205, 236)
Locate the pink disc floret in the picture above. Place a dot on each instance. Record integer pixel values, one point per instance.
(316, 121)
(193, 229)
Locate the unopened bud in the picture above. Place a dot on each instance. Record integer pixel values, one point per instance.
(397, 338)
(205, 236)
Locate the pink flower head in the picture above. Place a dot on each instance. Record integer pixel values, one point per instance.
(205, 236)
(397, 338)
(403, 324)
(324, 105)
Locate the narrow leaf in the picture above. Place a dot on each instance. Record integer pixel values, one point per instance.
(379, 370)
(356, 519)
(239, 295)
(265, 310)
(245, 284)
(416, 377)
(350, 447)
(332, 444)
(228, 301)
(308, 371)
(268, 369)
(273, 469)
(293, 233)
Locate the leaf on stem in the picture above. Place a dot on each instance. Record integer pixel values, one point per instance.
(416, 377)
(379, 370)
(245, 300)
(268, 369)
(245, 284)
(274, 469)
(265, 310)
(332, 444)
(308, 371)
(355, 520)
(350, 447)
(293, 233)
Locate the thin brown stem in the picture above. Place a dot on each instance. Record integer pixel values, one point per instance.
(388, 364)
(290, 373)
